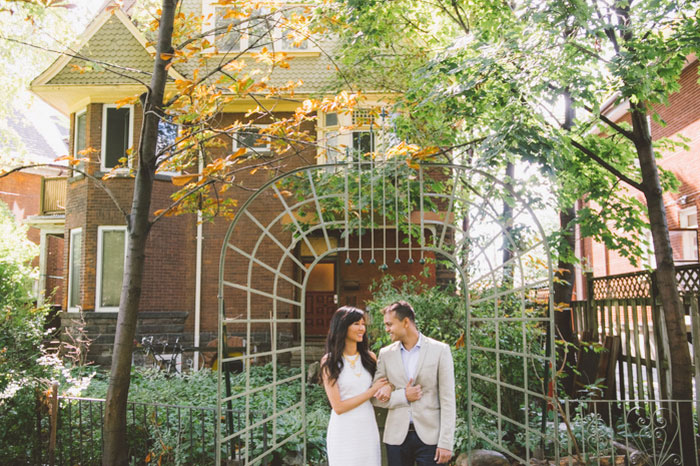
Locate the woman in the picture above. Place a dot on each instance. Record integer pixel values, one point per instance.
(347, 370)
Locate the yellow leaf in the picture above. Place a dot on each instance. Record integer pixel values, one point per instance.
(181, 180)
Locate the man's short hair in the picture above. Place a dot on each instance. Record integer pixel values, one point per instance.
(402, 310)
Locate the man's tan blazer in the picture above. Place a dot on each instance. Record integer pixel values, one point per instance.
(434, 414)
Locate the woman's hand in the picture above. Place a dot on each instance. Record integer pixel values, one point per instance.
(377, 385)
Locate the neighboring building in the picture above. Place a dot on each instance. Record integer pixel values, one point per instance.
(177, 300)
(36, 196)
(682, 118)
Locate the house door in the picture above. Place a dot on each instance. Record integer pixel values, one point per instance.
(321, 298)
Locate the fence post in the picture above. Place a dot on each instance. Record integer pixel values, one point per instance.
(590, 323)
(659, 340)
(695, 329)
(53, 422)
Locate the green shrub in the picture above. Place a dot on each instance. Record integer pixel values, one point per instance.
(26, 368)
(161, 437)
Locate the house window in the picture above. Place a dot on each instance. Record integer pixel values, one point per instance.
(251, 139)
(80, 137)
(111, 253)
(688, 219)
(339, 132)
(362, 142)
(274, 31)
(74, 259)
(117, 131)
(165, 145)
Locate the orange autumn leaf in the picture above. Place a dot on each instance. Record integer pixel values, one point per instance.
(182, 180)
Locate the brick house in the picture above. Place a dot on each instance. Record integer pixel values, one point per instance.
(682, 118)
(179, 296)
(38, 135)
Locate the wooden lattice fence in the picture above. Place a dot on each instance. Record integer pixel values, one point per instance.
(627, 306)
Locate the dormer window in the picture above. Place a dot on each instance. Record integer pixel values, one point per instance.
(262, 29)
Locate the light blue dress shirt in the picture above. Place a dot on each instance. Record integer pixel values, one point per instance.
(410, 364)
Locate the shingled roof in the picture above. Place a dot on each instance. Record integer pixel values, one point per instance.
(113, 39)
(113, 43)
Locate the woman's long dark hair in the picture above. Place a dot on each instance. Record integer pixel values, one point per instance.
(342, 319)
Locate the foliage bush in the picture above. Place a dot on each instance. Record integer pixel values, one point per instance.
(26, 368)
(159, 437)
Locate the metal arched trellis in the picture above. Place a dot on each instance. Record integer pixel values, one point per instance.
(385, 214)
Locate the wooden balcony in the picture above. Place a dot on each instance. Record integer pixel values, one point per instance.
(53, 195)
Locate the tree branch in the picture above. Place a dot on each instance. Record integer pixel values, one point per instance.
(607, 166)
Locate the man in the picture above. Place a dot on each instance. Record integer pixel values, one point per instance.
(420, 424)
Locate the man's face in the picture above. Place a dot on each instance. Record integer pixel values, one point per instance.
(394, 327)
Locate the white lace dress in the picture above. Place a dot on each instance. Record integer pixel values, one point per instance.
(353, 437)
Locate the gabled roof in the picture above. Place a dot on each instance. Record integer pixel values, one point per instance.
(111, 38)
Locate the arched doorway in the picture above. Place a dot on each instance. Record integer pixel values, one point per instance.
(381, 217)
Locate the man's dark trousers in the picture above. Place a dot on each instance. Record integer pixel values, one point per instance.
(411, 452)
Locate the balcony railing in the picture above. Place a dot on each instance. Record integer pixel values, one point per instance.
(53, 195)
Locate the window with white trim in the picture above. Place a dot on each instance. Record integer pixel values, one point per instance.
(80, 137)
(117, 134)
(75, 256)
(111, 254)
(165, 146)
(251, 138)
(688, 219)
(275, 31)
(342, 130)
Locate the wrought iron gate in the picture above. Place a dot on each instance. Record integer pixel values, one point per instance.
(416, 212)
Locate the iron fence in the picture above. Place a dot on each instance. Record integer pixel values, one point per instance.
(156, 433)
(577, 433)
(635, 432)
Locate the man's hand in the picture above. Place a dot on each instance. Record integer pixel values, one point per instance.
(384, 393)
(442, 456)
(413, 392)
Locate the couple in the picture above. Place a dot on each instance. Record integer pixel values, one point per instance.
(413, 378)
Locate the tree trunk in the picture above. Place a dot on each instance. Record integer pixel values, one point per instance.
(680, 364)
(507, 222)
(564, 286)
(115, 442)
(563, 291)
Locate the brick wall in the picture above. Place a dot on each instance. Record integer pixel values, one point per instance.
(21, 192)
(682, 117)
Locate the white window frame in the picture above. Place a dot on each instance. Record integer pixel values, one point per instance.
(684, 214)
(342, 135)
(345, 131)
(168, 172)
(690, 248)
(75, 131)
(100, 245)
(130, 144)
(209, 23)
(80, 113)
(267, 150)
(73, 307)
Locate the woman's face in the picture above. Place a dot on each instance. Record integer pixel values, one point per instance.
(356, 331)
